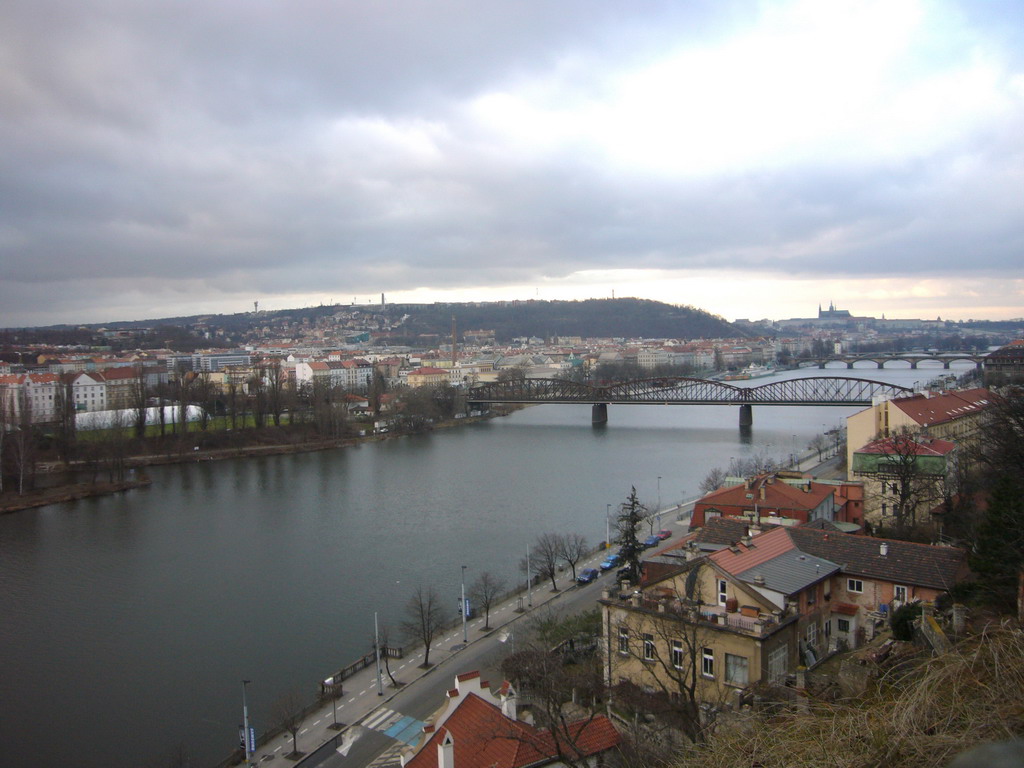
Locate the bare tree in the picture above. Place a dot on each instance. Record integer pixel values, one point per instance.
(138, 397)
(116, 446)
(714, 480)
(276, 382)
(906, 482)
(485, 591)
(233, 398)
(287, 711)
(423, 618)
(565, 690)
(819, 443)
(545, 555)
(64, 405)
(573, 548)
(668, 652)
(23, 438)
(383, 637)
(202, 393)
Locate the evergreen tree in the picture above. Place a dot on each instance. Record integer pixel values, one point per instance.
(998, 555)
(631, 514)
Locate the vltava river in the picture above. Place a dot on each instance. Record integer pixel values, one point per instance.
(129, 621)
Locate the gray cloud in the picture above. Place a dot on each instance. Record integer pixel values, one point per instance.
(157, 154)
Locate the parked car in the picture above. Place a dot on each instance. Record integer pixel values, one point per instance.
(652, 541)
(611, 561)
(587, 575)
(664, 533)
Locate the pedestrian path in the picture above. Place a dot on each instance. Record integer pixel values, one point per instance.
(362, 707)
(396, 726)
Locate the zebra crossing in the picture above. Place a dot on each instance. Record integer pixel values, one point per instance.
(395, 725)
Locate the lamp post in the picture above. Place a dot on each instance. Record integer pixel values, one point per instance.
(245, 725)
(659, 502)
(607, 526)
(376, 649)
(529, 581)
(465, 637)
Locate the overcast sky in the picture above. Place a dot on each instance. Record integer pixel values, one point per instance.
(167, 157)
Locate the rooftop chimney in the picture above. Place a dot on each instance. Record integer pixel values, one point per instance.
(883, 549)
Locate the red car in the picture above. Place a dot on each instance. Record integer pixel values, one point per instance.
(664, 533)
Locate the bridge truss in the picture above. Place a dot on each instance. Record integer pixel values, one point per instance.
(812, 390)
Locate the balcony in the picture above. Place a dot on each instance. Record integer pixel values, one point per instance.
(759, 625)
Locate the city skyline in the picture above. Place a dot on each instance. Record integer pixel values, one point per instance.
(752, 160)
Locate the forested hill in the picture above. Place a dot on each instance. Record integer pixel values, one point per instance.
(602, 318)
(415, 323)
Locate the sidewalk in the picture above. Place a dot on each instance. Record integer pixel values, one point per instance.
(360, 699)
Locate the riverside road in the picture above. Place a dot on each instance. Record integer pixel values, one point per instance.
(380, 727)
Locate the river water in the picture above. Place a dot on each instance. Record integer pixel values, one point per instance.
(127, 622)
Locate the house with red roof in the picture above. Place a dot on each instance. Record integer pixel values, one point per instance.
(779, 498)
(743, 606)
(476, 728)
(954, 415)
(904, 476)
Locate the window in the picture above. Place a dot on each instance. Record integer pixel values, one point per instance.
(707, 662)
(722, 594)
(778, 663)
(677, 654)
(648, 647)
(843, 624)
(623, 640)
(900, 593)
(736, 669)
(812, 635)
(812, 595)
(854, 585)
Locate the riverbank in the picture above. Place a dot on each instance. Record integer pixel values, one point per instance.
(41, 497)
(57, 494)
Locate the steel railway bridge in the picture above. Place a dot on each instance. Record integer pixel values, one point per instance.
(813, 390)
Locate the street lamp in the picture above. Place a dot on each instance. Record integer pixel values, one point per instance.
(465, 637)
(529, 581)
(659, 502)
(376, 649)
(607, 526)
(245, 725)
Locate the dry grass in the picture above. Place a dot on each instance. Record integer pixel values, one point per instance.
(972, 694)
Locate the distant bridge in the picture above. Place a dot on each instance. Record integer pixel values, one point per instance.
(813, 390)
(913, 358)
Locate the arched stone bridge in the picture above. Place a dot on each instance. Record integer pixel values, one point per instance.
(813, 390)
(913, 358)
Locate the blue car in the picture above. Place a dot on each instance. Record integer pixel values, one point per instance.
(652, 541)
(610, 562)
(587, 575)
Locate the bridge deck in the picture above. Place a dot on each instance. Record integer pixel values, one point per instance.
(812, 390)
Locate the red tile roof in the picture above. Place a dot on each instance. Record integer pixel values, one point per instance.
(907, 446)
(762, 548)
(485, 738)
(929, 408)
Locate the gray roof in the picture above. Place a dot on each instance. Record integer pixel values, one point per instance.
(790, 572)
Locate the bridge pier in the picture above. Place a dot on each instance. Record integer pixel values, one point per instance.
(599, 413)
(746, 415)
